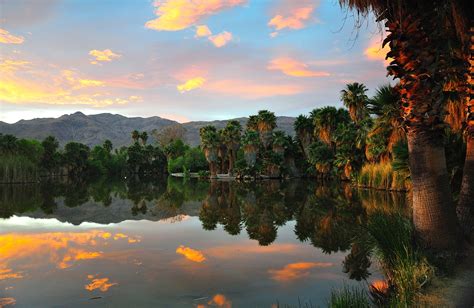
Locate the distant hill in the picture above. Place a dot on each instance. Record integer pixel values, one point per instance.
(94, 129)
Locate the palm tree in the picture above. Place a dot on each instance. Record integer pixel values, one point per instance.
(279, 142)
(423, 36)
(355, 99)
(222, 152)
(144, 137)
(135, 136)
(210, 144)
(465, 209)
(385, 105)
(304, 129)
(321, 157)
(252, 123)
(326, 120)
(265, 124)
(291, 150)
(250, 142)
(231, 138)
(107, 146)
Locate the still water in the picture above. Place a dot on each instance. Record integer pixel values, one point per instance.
(176, 243)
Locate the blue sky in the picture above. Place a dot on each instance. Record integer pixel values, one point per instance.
(146, 58)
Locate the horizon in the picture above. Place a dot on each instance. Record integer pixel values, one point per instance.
(226, 60)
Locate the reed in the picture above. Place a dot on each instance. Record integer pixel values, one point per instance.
(17, 169)
(349, 297)
(382, 176)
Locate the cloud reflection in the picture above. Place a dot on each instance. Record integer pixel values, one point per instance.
(191, 254)
(295, 271)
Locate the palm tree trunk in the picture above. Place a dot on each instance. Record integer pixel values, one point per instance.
(466, 198)
(433, 211)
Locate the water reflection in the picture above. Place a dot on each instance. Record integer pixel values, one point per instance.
(197, 238)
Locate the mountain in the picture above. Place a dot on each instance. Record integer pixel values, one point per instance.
(94, 129)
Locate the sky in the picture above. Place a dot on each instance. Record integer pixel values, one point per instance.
(184, 60)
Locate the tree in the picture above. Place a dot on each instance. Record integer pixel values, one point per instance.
(250, 142)
(325, 121)
(210, 144)
(144, 137)
(231, 138)
(355, 99)
(304, 129)
(50, 159)
(108, 146)
(252, 123)
(266, 123)
(175, 149)
(75, 157)
(169, 134)
(279, 142)
(423, 36)
(321, 156)
(135, 136)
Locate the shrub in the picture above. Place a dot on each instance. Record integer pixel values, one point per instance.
(349, 297)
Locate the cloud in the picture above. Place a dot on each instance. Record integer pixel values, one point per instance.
(191, 254)
(174, 15)
(105, 55)
(295, 271)
(191, 84)
(221, 39)
(203, 31)
(252, 90)
(220, 300)
(10, 66)
(375, 52)
(292, 15)
(102, 284)
(7, 38)
(8, 273)
(292, 67)
(52, 86)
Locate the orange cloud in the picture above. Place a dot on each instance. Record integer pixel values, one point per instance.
(174, 15)
(295, 271)
(191, 84)
(56, 87)
(8, 273)
(105, 55)
(228, 251)
(294, 68)
(376, 52)
(203, 31)
(251, 90)
(221, 39)
(181, 119)
(220, 300)
(99, 283)
(191, 254)
(7, 301)
(9, 65)
(292, 15)
(7, 38)
(63, 249)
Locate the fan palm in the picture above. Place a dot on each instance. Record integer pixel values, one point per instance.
(266, 122)
(304, 129)
(210, 144)
(355, 99)
(231, 138)
(135, 136)
(428, 49)
(250, 142)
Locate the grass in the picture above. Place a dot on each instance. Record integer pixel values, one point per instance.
(17, 169)
(349, 297)
(382, 176)
(405, 267)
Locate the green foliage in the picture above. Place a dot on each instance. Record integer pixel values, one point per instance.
(175, 148)
(382, 176)
(320, 153)
(17, 169)
(349, 297)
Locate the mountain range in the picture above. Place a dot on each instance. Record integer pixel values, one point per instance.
(94, 129)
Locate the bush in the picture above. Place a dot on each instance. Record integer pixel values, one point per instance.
(175, 165)
(17, 169)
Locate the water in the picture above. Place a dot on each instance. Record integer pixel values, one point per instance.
(175, 243)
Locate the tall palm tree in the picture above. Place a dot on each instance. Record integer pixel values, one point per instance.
(252, 123)
(385, 105)
(355, 99)
(422, 36)
(210, 145)
(279, 142)
(265, 124)
(222, 152)
(135, 135)
(231, 138)
(465, 209)
(250, 142)
(325, 122)
(304, 129)
(144, 137)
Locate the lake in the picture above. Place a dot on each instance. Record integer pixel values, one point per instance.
(177, 243)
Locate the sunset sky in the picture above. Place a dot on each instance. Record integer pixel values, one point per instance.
(180, 59)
